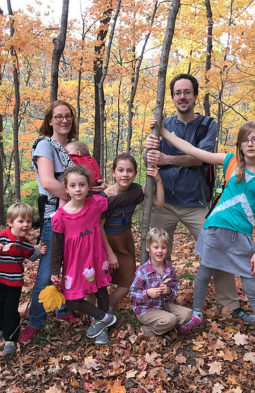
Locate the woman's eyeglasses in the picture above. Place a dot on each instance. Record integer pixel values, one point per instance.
(60, 118)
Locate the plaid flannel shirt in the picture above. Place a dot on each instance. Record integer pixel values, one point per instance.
(147, 277)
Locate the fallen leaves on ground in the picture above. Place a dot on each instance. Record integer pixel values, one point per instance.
(219, 358)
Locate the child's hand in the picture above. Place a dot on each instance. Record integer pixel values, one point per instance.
(165, 290)
(154, 292)
(113, 261)
(1, 246)
(43, 248)
(153, 122)
(55, 279)
(100, 187)
(253, 265)
(152, 142)
(153, 172)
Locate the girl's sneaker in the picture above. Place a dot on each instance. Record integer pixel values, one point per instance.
(195, 322)
(98, 326)
(241, 313)
(9, 348)
(102, 338)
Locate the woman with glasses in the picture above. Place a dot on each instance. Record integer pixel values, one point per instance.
(49, 160)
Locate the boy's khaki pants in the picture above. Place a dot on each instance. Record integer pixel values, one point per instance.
(157, 321)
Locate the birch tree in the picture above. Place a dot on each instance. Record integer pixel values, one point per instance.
(171, 19)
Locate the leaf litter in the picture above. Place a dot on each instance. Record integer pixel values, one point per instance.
(216, 359)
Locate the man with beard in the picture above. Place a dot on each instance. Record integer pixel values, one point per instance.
(185, 188)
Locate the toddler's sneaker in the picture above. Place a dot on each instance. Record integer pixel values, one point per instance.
(98, 326)
(9, 348)
(193, 323)
(102, 338)
(27, 334)
(71, 318)
(240, 313)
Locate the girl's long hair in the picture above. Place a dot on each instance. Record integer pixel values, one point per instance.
(243, 133)
(47, 130)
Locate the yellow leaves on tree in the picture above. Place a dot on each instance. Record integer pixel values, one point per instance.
(51, 298)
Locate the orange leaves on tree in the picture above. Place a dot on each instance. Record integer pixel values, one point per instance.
(27, 176)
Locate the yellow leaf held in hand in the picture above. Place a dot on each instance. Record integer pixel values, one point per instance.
(51, 298)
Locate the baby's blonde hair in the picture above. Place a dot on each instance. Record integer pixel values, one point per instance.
(157, 234)
(19, 209)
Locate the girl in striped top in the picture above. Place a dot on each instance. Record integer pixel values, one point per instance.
(119, 240)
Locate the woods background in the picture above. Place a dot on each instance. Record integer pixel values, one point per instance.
(116, 46)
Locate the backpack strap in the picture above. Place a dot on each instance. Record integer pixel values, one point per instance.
(205, 171)
(202, 129)
(64, 157)
(232, 165)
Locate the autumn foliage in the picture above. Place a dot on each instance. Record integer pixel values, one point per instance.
(229, 82)
(219, 358)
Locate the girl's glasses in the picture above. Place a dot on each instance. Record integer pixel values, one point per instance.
(246, 141)
(60, 118)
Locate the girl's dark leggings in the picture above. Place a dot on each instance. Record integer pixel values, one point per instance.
(86, 307)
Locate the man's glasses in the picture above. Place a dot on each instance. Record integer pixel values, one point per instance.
(246, 141)
(178, 93)
(60, 118)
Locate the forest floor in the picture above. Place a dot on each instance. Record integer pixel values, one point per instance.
(218, 358)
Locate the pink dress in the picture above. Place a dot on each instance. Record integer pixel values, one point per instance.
(85, 265)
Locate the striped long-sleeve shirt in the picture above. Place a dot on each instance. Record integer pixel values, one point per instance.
(11, 261)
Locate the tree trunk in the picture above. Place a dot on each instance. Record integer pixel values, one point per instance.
(16, 109)
(98, 72)
(100, 88)
(59, 45)
(119, 119)
(209, 47)
(135, 80)
(172, 14)
(2, 213)
(79, 79)
(223, 75)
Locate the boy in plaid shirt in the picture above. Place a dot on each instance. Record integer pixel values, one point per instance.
(154, 289)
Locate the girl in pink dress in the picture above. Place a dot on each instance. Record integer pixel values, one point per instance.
(77, 244)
